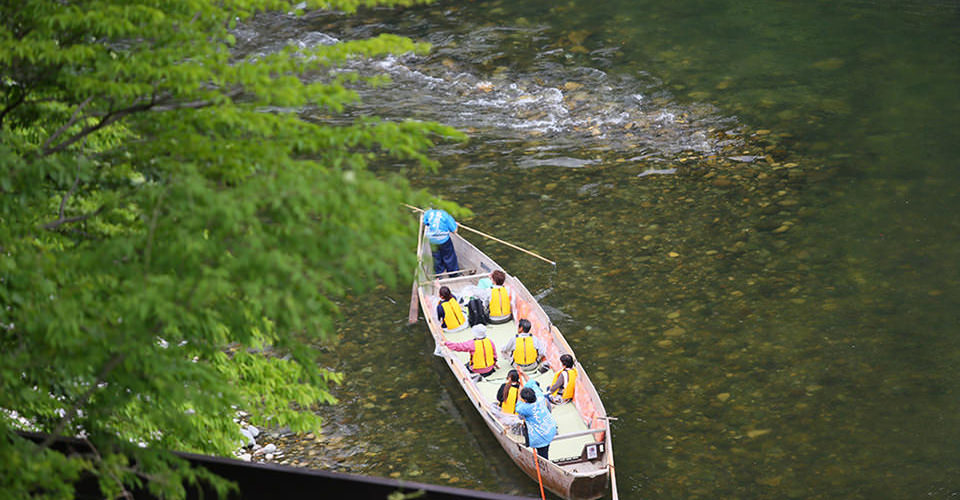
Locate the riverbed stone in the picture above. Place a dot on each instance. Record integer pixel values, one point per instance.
(250, 441)
(675, 332)
(270, 448)
(722, 181)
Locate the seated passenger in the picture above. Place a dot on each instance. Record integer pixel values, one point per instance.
(509, 393)
(500, 311)
(483, 354)
(526, 350)
(564, 382)
(541, 426)
(449, 312)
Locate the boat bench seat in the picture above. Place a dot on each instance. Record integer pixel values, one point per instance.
(569, 420)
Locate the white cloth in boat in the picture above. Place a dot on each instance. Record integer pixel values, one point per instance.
(509, 420)
(476, 292)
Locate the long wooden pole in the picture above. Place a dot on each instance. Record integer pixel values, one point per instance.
(414, 298)
(536, 464)
(414, 314)
(498, 240)
(613, 470)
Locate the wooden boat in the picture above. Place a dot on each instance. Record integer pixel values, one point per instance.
(580, 464)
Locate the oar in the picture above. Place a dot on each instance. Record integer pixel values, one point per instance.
(498, 240)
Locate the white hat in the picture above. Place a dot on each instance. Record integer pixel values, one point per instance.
(479, 331)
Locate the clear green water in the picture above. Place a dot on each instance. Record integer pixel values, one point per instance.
(820, 361)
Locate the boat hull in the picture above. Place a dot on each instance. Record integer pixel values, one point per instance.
(585, 480)
(560, 482)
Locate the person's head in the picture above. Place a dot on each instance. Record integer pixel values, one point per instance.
(445, 293)
(527, 395)
(513, 376)
(567, 360)
(523, 325)
(498, 277)
(479, 331)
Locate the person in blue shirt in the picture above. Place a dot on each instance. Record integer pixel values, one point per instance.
(439, 224)
(541, 426)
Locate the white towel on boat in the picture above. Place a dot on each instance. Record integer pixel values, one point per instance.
(475, 291)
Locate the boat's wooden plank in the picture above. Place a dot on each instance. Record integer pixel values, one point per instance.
(414, 305)
(571, 435)
(569, 422)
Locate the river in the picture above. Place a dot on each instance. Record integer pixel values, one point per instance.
(754, 210)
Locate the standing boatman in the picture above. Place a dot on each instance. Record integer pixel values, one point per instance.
(439, 224)
(533, 410)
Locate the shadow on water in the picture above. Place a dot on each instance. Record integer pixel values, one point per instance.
(774, 319)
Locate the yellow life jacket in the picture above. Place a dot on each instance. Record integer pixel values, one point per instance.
(509, 403)
(452, 314)
(499, 302)
(524, 353)
(568, 385)
(482, 354)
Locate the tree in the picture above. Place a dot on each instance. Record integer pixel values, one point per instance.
(168, 248)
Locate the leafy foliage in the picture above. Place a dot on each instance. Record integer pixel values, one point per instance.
(168, 249)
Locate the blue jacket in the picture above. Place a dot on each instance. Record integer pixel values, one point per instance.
(541, 426)
(439, 225)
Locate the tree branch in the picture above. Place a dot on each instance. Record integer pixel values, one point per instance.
(73, 189)
(153, 226)
(123, 490)
(114, 116)
(112, 363)
(203, 103)
(73, 119)
(77, 218)
(10, 107)
(169, 105)
(107, 119)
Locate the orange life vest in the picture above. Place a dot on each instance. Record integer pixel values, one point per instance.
(452, 314)
(509, 403)
(569, 382)
(499, 302)
(524, 353)
(482, 354)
